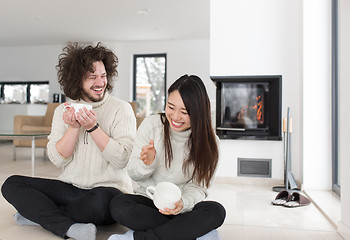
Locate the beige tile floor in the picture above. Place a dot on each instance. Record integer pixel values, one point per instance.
(250, 215)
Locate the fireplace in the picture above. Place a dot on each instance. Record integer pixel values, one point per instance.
(248, 107)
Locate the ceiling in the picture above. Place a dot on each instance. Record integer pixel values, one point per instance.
(41, 22)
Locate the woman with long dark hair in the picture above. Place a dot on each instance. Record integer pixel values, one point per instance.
(178, 146)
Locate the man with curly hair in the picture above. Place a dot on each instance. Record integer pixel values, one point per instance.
(91, 146)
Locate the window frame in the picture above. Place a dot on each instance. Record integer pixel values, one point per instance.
(335, 132)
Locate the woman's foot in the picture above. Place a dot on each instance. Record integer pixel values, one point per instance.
(82, 231)
(129, 235)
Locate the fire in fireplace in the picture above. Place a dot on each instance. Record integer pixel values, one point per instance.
(248, 107)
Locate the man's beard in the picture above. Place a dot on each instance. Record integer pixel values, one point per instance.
(93, 98)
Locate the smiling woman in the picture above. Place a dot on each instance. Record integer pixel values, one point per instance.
(178, 147)
(176, 113)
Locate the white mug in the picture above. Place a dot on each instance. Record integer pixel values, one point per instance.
(77, 107)
(164, 195)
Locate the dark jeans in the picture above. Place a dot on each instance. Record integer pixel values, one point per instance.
(57, 205)
(139, 214)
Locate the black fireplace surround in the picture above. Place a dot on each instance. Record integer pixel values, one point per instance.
(248, 107)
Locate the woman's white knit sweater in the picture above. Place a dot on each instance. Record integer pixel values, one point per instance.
(88, 167)
(152, 129)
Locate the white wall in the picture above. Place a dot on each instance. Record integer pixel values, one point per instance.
(183, 57)
(31, 63)
(37, 63)
(344, 115)
(260, 38)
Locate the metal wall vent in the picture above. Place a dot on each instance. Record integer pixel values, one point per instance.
(254, 167)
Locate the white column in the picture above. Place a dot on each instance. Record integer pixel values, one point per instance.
(317, 95)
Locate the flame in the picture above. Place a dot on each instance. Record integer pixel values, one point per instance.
(259, 108)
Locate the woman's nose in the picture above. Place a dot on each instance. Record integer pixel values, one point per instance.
(177, 115)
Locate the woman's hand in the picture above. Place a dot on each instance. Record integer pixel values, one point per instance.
(69, 117)
(178, 207)
(148, 153)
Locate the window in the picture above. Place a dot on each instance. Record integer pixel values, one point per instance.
(39, 93)
(24, 92)
(15, 93)
(149, 89)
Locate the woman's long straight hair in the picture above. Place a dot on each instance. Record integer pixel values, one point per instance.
(204, 154)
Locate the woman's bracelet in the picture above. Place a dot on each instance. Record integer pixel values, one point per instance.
(93, 129)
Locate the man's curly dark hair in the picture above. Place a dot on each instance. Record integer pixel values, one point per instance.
(76, 61)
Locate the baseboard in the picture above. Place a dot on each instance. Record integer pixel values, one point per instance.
(257, 181)
(344, 230)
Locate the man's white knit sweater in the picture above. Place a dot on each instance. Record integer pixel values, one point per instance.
(88, 167)
(152, 129)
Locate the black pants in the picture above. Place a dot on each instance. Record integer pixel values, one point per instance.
(139, 214)
(57, 205)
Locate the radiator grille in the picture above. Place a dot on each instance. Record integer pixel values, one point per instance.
(254, 167)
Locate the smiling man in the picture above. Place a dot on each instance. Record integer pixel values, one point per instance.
(91, 146)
